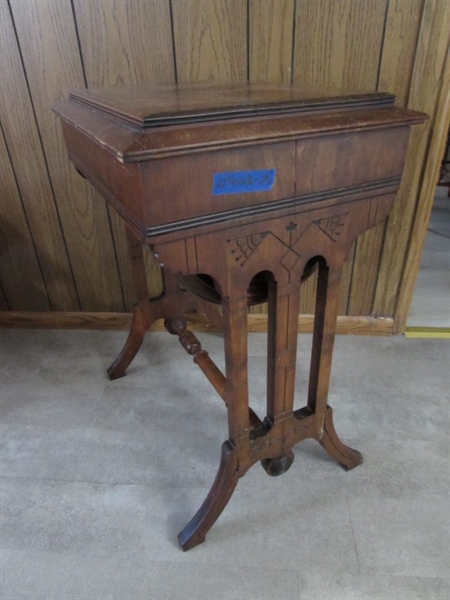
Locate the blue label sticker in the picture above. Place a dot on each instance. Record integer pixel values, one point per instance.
(240, 182)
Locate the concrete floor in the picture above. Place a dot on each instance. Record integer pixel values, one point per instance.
(98, 477)
(430, 306)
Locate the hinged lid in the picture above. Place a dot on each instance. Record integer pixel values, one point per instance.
(149, 106)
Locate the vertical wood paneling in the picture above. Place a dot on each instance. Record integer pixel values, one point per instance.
(76, 247)
(397, 58)
(20, 273)
(399, 52)
(271, 25)
(425, 201)
(426, 81)
(366, 262)
(346, 281)
(338, 44)
(399, 47)
(126, 43)
(24, 148)
(429, 82)
(210, 38)
(49, 47)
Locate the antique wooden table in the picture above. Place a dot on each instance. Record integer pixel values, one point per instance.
(242, 191)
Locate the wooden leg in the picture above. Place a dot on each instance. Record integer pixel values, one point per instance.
(227, 477)
(172, 302)
(134, 341)
(283, 299)
(327, 303)
(345, 456)
(143, 316)
(233, 462)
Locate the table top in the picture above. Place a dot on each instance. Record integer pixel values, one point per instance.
(141, 123)
(170, 104)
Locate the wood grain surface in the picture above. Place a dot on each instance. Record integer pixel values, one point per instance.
(437, 67)
(126, 43)
(271, 25)
(210, 40)
(338, 44)
(49, 47)
(429, 82)
(30, 169)
(18, 260)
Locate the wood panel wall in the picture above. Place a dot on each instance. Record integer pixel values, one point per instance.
(63, 249)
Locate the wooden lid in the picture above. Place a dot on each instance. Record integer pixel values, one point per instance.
(147, 106)
(138, 123)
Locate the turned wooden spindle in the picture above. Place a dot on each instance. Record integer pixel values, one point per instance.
(191, 344)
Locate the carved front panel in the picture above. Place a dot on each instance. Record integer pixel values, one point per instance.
(279, 245)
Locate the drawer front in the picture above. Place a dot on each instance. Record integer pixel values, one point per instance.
(185, 187)
(349, 159)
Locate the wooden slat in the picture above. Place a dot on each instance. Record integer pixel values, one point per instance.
(210, 38)
(346, 280)
(49, 47)
(122, 322)
(308, 295)
(338, 44)
(399, 47)
(24, 147)
(309, 287)
(20, 273)
(425, 203)
(126, 43)
(271, 25)
(365, 271)
(361, 279)
(426, 83)
(399, 52)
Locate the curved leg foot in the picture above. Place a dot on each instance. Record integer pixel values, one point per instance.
(132, 345)
(347, 457)
(223, 487)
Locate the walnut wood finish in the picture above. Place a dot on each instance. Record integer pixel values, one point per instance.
(154, 154)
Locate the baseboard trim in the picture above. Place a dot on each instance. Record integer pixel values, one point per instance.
(122, 321)
(436, 333)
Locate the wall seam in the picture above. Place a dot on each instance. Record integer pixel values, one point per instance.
(174, 51)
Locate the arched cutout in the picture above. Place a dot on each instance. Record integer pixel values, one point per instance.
(312, 266)
(206, 287)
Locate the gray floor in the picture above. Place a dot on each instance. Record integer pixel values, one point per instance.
(430, 306)
(98, 477)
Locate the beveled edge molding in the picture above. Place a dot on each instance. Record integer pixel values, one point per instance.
(360, 325)
(298, 107)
